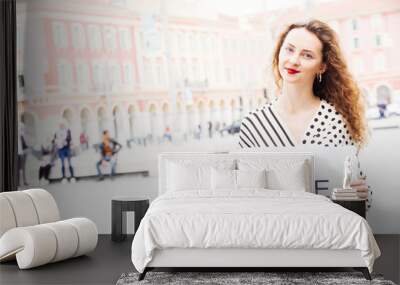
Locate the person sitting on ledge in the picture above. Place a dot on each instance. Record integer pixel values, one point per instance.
(108, 150)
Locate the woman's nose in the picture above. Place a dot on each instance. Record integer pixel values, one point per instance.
(294, 59)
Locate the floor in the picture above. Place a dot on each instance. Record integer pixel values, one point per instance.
(111, 259)
(103, 266)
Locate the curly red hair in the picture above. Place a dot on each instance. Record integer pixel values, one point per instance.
(338, 85)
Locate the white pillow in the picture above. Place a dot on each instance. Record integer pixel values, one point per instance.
(282, 174)
(187, 177)
(223, 179)
(251, 178)
(193, 174)
(291, 177)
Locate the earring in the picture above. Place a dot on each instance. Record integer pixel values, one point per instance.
(320, 77)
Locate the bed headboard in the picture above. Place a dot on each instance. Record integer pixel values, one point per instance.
(164, 158)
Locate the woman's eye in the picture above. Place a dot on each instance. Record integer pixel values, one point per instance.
(308, 56)
(289, 49)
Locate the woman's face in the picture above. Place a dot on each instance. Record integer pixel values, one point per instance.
(300, 57)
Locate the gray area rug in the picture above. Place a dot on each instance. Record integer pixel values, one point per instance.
(229, 278)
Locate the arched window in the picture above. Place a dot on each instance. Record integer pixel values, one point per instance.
(85, 119)
(131, 117)
(101, 120)
(233, 111)
(259, 102)
(191, 121)
(383, 95)
(200, 110)
(67, 116)
(116, 121)
(213, 111)
(153, 118)
(29, 128)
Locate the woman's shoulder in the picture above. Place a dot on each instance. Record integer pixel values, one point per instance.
(261, 112)
(329, 112)
(329, 107)
(335, 127)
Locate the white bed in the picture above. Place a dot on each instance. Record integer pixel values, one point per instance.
(198, 223)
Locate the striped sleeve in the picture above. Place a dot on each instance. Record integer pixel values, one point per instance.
(245, 138)
(262, 129)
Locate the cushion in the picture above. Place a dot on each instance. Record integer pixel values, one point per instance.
(27, 208)
(251, 178)
(23, 208)
(87, 232)
(67, 239)
(186, 174)
(282, 174)
(45, 205)
(7, 215)
(181, 177)
(290, 179)
(40, 244)
(223, 179)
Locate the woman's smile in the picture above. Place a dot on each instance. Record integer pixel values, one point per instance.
(292, 71)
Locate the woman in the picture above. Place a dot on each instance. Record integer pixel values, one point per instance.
(319, 102)
(63, 141)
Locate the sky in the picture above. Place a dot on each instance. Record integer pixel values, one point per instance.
(228, 7)
(243, 7)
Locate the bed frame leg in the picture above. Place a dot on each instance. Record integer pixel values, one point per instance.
(364, 271)
(143, 274)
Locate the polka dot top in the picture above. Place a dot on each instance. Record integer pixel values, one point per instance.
(264, 128)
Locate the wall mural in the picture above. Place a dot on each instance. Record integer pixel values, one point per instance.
(104, 86)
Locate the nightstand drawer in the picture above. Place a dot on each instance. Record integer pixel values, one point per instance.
(355, 206)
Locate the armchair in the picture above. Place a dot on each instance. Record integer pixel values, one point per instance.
(32, 233)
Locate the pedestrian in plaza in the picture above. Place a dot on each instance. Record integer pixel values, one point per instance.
(48, 156)
(223, 129)
(22, 154)
(382, 107)
(84, 141)
(167, 134)
(217, 126)
(63, 142)
(197, 132)
(108, 151)
(210, 129)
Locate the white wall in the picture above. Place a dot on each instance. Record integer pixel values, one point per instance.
(382, 163)
(380, 159)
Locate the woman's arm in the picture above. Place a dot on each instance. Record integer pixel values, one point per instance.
(245, 138)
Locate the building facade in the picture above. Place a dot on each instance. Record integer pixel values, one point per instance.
(98, 66)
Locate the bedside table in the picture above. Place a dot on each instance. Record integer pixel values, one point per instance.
(357, 206)
(119, 206)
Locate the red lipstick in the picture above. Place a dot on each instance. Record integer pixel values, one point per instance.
(292, 71)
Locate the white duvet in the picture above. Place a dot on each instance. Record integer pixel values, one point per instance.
(250, 219)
